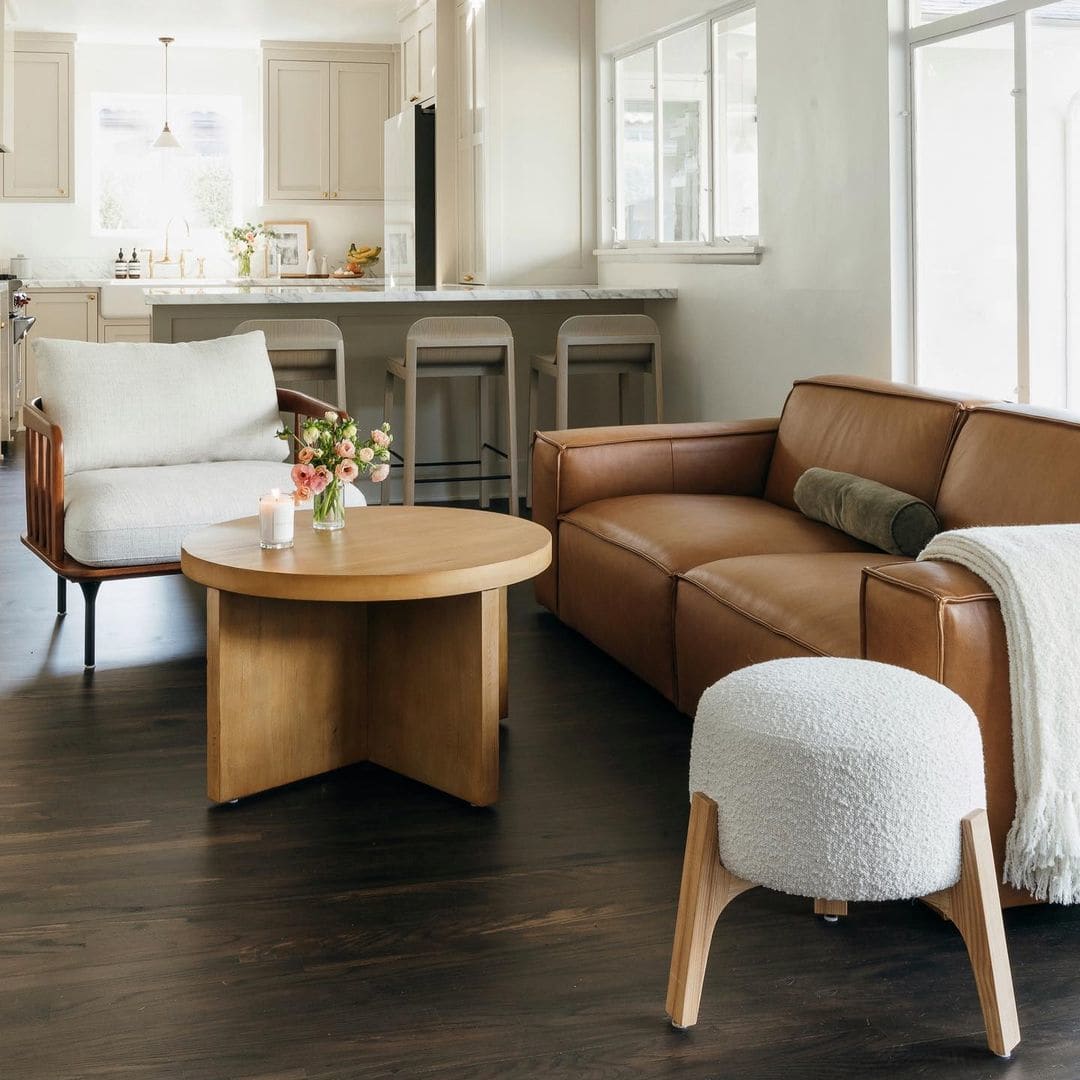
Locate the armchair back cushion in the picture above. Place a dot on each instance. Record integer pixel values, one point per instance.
(894, 434)
(123, 405)
(1013, 465)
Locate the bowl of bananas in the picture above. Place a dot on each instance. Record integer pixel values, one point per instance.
(357, 258)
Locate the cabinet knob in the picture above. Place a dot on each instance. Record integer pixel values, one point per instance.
(60, 191)
(415, 97)
(91, 296)
(325, 194)
(333, 194)
(467, 277)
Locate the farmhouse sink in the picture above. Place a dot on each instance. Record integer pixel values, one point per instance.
(125, 299)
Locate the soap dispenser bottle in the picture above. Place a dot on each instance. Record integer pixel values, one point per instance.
(121, 268)
(134, 266)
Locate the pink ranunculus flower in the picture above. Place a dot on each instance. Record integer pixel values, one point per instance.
(302, 475)
(345, 449)
(321, 478)
(301, 494)
(347, 471)
(366, 454)
(380, 473)
(380, 438)
(305, 455)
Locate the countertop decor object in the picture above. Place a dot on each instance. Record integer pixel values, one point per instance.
(403, 617)
(242, 241)
(290, 244)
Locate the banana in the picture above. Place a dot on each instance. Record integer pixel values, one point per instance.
(365, 254)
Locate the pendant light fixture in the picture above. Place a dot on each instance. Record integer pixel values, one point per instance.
(166, 140)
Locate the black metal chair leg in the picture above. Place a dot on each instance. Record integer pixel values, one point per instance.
(89, 591)
(61, 595)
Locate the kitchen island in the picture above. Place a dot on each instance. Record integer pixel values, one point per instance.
(374, 320)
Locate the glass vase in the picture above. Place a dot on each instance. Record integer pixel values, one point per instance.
(328, 507)
(243, 264)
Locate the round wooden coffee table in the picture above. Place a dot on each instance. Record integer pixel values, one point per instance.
(384, 641)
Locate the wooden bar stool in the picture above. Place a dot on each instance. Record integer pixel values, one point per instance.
(303, 351)
(622, 345)
(480, 347)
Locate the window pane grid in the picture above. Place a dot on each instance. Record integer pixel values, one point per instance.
(685, 136)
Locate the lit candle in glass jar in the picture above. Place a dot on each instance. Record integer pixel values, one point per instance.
(276, 520)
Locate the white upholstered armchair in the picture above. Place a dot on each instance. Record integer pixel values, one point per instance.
(132, 446)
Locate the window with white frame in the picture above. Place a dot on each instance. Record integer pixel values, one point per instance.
(137, 188)
(685, 134)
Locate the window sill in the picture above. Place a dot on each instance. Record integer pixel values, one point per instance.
(738, 254)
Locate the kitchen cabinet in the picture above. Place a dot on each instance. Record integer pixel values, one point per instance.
(40, 167)
(71, 314)
(515, 160)
(418, 54)
(125, 329)
(7, 79)
(324, 113)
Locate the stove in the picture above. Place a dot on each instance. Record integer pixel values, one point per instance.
(15, 324)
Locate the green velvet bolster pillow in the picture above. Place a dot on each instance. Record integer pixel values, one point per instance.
(889, 519)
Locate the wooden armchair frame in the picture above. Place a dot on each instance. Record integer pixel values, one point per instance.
(44, 534)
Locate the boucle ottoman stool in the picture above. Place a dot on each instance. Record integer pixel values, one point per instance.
(840, 780)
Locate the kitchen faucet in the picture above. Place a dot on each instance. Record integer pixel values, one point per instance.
(168, 225)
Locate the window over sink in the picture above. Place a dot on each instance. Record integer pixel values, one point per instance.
(137, 188)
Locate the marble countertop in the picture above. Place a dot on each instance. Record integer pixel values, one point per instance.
(352, 293)
(189, 283)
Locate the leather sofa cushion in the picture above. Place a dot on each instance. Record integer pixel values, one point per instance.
(897, 435)
(735, 612)
(678, 532)
(1012, 465)
(618, 559)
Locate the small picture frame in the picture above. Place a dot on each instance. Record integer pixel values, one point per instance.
(291, 242)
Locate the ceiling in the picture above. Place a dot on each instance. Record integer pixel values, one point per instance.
(221, 23)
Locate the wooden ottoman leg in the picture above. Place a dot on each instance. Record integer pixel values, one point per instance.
(830, 909)
(973, 905)
(707, 888)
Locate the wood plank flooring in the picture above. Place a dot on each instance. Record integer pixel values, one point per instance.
(361, 926)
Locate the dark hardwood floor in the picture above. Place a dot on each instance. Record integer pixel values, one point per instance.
(360, 925)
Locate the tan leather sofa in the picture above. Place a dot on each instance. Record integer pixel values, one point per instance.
(679, 550)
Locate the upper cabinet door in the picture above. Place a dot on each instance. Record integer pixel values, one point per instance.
(359, 104)
(425, 51)
(410, 64)
(298, 129)
(40, 168)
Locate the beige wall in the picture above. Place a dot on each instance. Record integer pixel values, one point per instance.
(820, 299)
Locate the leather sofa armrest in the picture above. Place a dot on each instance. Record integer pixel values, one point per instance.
(572, 468)
(943, 621)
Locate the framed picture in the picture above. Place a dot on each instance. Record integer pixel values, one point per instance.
(291, 242)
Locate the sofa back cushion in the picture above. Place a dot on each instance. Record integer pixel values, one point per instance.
(1012, 465)
(121, 405)
(895, 434)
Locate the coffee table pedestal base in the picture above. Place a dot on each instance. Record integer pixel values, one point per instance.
(296, 688)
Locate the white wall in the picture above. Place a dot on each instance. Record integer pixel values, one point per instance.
(820, 300)
(51, 231)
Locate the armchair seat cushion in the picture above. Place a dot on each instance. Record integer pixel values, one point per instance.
(133, 517)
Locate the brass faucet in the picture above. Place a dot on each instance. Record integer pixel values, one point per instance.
(168, 225)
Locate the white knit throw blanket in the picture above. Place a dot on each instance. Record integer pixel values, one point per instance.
(1034, 571)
